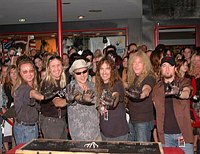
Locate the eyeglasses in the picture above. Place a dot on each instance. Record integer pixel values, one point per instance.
(28, 71)
(54, 57)
(79, 73)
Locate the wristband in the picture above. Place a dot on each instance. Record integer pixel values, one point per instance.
(179, 93)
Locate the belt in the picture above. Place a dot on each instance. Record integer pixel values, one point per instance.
(26, 124)
(55, 117)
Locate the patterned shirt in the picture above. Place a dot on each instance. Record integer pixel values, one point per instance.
(83, 120)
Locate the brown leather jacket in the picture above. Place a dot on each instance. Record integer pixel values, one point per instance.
(181, 110)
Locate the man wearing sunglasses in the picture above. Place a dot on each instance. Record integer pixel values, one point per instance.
(83, 118)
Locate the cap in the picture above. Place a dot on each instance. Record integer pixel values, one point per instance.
(170, 60)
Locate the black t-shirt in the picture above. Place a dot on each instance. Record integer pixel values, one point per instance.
(170, 122)
(116, 125)
(142, 111)
(48, 109)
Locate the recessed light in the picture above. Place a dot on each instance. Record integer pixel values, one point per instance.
(67, 3)
(22, 20)
(81, 17)
(95, 11)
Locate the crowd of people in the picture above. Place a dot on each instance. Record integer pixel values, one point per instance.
(144, 95)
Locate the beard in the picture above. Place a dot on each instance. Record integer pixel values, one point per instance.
(168, 76)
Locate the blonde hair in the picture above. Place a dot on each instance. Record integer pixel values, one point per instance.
(148, 70)
(8, 79)
(48, 78)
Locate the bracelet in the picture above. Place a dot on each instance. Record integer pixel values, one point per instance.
(179, 93)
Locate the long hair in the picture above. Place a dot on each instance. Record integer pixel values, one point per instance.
(148, 70)
(114, 75)
(48, 78)
(8, 80)
(20, 80)
(179, 63)
(155, 59)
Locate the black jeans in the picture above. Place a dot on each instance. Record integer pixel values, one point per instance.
(53, 128)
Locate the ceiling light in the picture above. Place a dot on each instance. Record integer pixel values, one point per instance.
(95, 11)
(67, 3)
(22, 20)
(81, 17)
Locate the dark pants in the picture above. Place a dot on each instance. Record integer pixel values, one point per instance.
(54, 128)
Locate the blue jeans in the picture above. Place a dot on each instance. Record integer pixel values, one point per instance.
(171, 140)
(24, 134)
(142, 131)
(1, 145)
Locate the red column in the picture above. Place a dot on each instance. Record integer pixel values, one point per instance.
(59, 22)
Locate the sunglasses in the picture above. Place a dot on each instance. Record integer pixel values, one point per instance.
(54, 57)
(28, 71)
(79, 73)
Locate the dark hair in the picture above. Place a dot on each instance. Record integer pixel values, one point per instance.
(35, 57)
(160, 47)
(74, 57)
(87, 53)
(129, 46)
(106, 51)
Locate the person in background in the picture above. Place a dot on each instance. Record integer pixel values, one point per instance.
(97, 57)
(110, 48)
(149, 52)
(194, 72)
(125, 72)
(3, 101)
(155, 59)
(1, 120)
(72, 50)
(10, 81)
(187, 53)
(11, 54)
(38, 63)
(144, 48)
(141, 81)
(132, 47)
(117, 59)
(33, 53)
(4, 69)
(173, 108)
(110, 96)
(182, 68)
(168, 52)
(65, 61)
(88, 56)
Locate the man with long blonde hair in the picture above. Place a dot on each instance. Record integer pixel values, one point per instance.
(141, 81)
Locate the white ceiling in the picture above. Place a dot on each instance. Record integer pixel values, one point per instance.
(41, 11)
